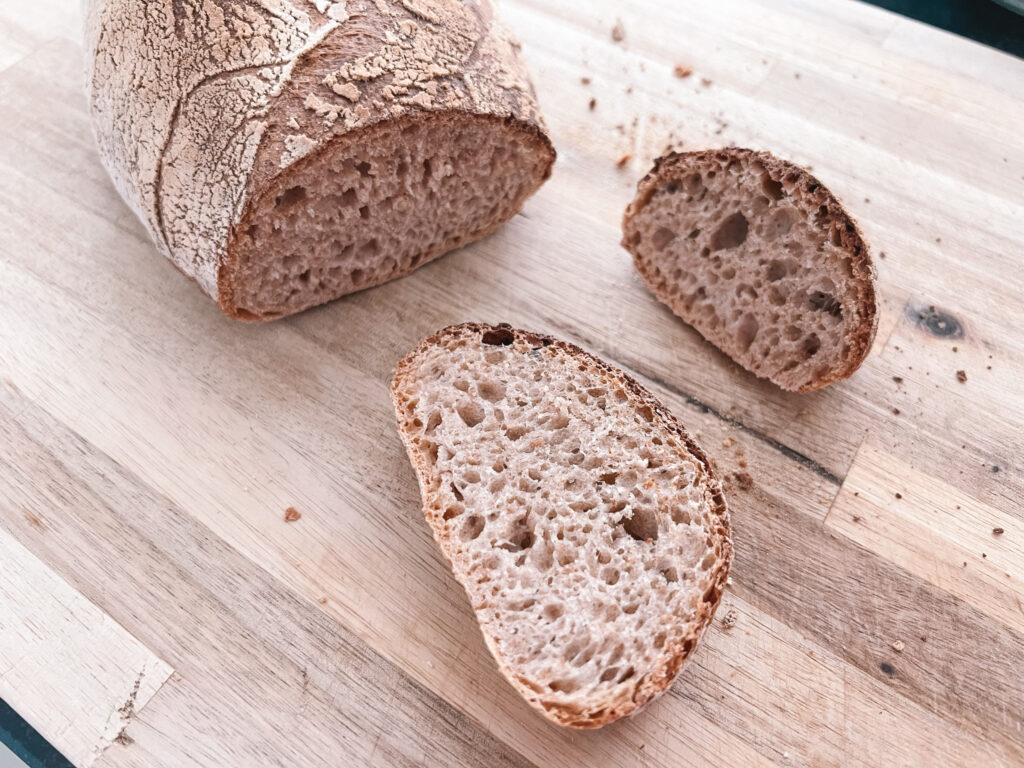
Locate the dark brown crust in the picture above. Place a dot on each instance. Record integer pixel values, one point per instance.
(226, 272)
(675, 164)
(677, 652)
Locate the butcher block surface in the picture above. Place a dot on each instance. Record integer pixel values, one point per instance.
(160, 606)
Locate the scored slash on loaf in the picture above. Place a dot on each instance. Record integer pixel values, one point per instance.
(284, 154)
(587, 528)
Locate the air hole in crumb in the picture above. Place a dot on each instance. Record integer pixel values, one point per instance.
(363, 168)
(731, 233)
(609, 674)
(492, 391)
(627, 674)
(471, 528)
(516, 432)
(290, 197)
(642, 526)
(746, 331)
(553, 611)
(563, 686)
(662, 237)
(498, 337)
(610, 575)
(659, 640)
(364, 212)
(708, 561)
(772, 188)
(453, 511)
(471, 413)
(670, 574)
(811, 345)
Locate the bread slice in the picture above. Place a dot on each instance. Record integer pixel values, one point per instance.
(284, 154)
(760, 258)
(586, 526)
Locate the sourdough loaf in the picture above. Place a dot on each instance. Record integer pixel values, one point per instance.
(286, 152)
(760, 258)
(585, 525)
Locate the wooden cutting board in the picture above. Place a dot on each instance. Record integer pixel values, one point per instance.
(156, 609)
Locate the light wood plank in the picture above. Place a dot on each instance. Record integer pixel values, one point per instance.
(71, 671)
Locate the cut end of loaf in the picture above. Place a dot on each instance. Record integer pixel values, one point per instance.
(377, 204)
(585, 525)
(761, 259)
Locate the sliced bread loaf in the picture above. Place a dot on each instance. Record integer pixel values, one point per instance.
(586, 526)
(761, 259)
(285, 153)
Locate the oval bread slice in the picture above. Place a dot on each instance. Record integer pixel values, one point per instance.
(586, 526)
(761, 259)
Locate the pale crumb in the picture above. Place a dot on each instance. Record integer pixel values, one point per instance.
(707, 82)
(898, 646)
(323, 601)
(618, 31)
(680, 71)
(729, 442)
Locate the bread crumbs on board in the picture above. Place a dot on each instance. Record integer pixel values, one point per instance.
(623, 161)
(291, 515)
(618, 31)
(681, 72)
(961, 376)
(730, 619)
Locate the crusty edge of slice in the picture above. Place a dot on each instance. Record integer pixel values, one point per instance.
(662, 677)
(817, 194)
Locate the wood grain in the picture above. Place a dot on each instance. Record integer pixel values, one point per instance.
(158, 444)
(77, 676)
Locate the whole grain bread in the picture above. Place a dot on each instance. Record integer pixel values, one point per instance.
(759, 257)
(587, 528)
(283, 154)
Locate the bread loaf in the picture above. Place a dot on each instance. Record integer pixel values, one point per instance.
(585, 525)
(759, 257)
(283, 153)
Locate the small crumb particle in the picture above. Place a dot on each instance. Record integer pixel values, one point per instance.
(881, 255)
(291, 515)
(899, 495)
(988, 367)
(938, 239)
(707, 82)
(965, 563)
(867, 199)
(898, 646)
(618, 31)
(728, 581)
(796, 75)
(896, 411)
(744, 481)
(857, 518)
(856, 493)
(585, 80)
(898, 379)
(954, 349)
(743, 463)
(323, 601)
(961, 376)
(680, 71)
(592, 104)
(983, 554)
(623, 161)
(730, 619)
(998, 531)
(995, 467)
(728, 442)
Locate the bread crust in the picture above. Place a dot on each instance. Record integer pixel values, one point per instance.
(198, 107)
(595, 713)
(672, 166)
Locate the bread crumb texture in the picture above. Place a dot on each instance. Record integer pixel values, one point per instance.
(585, 525)
(761, 259)
(198, 105)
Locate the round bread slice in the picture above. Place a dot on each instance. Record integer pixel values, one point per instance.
(760, 258)
(586, 526)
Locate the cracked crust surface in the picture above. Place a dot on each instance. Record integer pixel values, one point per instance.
(761, 259)
(197, 106)
(586, 526)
